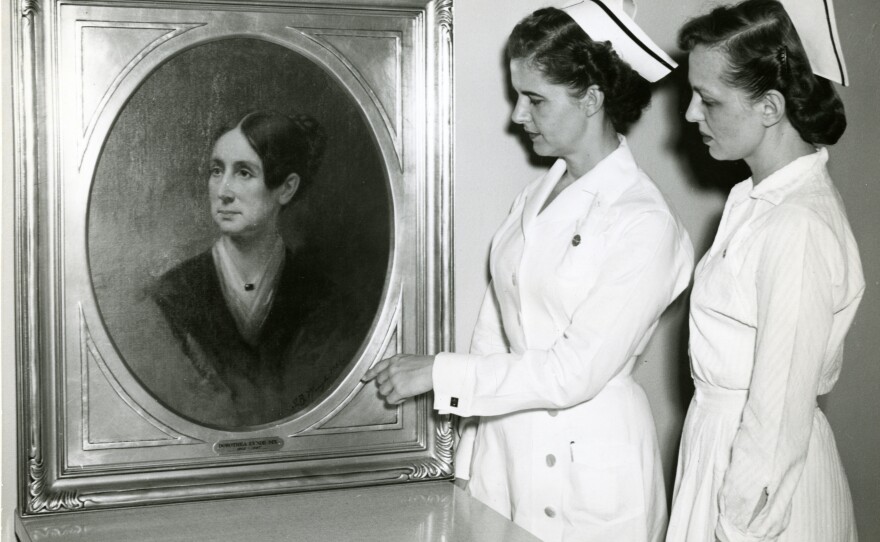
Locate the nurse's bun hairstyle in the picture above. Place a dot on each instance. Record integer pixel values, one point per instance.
(764, 52)
(553, 43)
(285, 144)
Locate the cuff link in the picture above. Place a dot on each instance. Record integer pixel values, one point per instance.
(453, 402)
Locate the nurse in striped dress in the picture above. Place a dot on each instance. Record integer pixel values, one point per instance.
(775, 295)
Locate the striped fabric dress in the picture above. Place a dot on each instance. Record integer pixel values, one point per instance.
(771, 304)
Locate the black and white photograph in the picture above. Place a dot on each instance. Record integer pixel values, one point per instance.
(439, 270)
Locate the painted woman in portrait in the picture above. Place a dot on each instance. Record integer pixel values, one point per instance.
(260, 323)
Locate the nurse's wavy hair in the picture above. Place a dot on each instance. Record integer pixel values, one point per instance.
(285, 144)
(553, 43)
(764, 53)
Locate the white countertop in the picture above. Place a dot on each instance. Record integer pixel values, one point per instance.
(415, 512)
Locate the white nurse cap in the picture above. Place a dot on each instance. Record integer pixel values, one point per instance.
(605, 20)
(816, 26)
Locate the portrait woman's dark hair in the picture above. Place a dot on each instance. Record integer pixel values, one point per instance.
(765, 53)
(552, 42)
(285, 144)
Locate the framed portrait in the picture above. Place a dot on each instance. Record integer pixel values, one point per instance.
(226, 212)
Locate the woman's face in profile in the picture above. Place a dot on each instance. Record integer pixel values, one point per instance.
(549, 114)
(730, 122)
(241, 204)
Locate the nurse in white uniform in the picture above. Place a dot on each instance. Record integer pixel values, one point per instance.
(774, 296)
(561, 438)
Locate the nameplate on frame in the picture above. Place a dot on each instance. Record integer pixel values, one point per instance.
(248, 445)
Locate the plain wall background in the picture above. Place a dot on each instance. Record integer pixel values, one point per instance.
(492, 166)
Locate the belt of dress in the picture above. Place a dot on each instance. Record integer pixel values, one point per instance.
(718, 398)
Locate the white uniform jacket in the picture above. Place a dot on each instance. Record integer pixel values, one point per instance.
(566, 444)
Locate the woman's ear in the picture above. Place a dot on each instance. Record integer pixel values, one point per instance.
(592, 100)
(772, 105)
(288, 188)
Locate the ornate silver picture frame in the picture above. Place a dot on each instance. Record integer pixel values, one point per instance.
(118, 106)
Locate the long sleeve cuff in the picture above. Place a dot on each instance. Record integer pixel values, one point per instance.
(452, 394)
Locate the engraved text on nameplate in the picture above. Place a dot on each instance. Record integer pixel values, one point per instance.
(248, 445)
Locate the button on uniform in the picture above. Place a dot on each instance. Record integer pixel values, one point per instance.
(551, 460)
(550, 512)
(553, 413)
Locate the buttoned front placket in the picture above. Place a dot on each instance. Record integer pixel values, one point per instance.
(547, 457)
(541, 505)
(551, 468)
(516, 284)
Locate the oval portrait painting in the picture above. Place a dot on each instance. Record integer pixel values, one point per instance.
(239, 233)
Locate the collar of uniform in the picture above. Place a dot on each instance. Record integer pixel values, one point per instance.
(537, 195)
(611, 176)
(604, 183)
(740, 192)
(789, 178)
